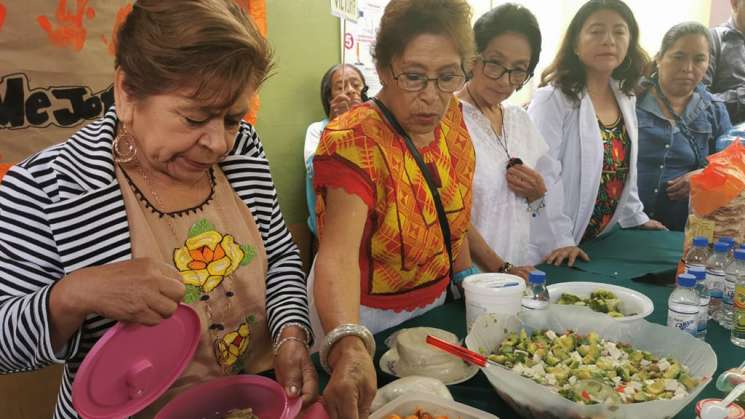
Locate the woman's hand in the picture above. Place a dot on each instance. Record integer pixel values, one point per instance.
(142, 291)
(525, 182)
(295, 371)
(340, 104)
(521, 271)
(569, 253)
(653, 225)
(353, 382)
(679, 188)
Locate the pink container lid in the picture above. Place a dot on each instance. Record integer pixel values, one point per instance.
(132, 365)
(734, 410)
(215, 398)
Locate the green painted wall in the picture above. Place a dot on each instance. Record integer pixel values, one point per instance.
(305, 38)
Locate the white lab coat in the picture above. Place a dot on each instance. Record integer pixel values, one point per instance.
(573, 136)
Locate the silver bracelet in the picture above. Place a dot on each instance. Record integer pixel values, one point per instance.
(535, 208)
(342, 331)
(278, 345)
(297, 324)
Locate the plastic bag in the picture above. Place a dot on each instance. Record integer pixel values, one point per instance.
(717, 206)
(533, 400)
(406, 385)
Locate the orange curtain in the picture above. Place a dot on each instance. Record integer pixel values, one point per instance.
(257, 10)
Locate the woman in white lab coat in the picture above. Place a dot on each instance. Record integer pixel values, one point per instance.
(586, 113)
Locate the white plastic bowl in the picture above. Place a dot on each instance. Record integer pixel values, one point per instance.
(410, 402)
(631, 301)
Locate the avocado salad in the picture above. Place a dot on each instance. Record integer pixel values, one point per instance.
(600, 300)
(560, 361)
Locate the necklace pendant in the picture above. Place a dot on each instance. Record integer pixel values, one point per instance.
(514, 161)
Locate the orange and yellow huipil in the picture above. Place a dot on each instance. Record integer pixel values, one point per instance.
(403, 260)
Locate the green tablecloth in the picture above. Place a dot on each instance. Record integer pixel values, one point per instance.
(616, 259)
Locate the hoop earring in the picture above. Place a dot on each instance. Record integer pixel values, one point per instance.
(123, 147)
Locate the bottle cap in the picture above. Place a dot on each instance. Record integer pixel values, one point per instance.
(686, 280)
(727, 239)
(537, 277)
(700, 241)
(699, 272)
(740, 254)
(721, 247)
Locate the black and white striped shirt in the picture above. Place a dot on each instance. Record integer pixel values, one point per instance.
(62, 210)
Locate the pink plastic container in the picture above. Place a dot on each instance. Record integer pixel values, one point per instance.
(216, 397)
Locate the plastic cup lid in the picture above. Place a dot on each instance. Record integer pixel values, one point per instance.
(132, 365)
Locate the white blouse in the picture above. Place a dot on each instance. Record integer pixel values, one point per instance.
(502, 217)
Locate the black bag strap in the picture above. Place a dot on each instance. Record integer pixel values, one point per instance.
(442, 217)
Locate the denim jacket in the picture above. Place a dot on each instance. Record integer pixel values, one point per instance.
(665, 153)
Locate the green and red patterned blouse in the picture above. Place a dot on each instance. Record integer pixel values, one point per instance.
(616, 149)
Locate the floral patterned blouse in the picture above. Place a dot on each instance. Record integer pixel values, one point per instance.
(616, 149)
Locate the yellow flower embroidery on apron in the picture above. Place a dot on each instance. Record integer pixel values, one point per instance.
(207, 258)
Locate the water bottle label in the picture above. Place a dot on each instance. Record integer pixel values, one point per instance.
(683, 319)
(729, 291)
(703, 314)
(739, 303)
(715, 284)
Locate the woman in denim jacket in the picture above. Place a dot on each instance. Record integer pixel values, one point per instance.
(679, 122)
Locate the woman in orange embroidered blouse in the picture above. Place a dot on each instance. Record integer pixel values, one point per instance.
(382, 256)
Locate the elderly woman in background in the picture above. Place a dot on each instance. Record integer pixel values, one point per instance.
(393, 181)
(508, 193)
(342, 87)
(679, 122)
(167, 198)
(586, 112)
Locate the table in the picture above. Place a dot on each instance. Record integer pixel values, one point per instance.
(618, 259)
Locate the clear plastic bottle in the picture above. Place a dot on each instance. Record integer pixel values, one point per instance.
(715, 267)
(738, 318)
(535, 296)
(734, 274)
(699, 272)
(730, 247)
(698, 254)
(682, 306)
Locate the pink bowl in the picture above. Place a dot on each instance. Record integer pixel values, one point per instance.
(216, 397)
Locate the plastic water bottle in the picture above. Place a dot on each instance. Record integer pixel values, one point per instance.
(699, 272)
(730, 247)
(535, 296)
(738, 319)
(682, 306)
(715, 267)
(698, 254)
(734, 271)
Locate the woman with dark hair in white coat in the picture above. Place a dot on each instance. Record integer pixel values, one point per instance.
(585, 111)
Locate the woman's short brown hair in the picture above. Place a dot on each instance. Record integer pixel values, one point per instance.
(210, 46)
(568, 73)
(403, 20)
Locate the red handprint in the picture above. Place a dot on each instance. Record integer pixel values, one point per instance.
(121, 16)
(70, 32)
(2, 15)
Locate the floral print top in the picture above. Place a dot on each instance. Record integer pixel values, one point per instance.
(616, 149)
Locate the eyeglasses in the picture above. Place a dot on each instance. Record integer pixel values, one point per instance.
(495, 70)
(415, 82)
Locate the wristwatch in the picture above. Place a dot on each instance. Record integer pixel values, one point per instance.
(506, 268)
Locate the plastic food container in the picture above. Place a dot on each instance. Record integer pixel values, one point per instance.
(265, 397)
(533, 400)
(634, 305)
(409, 403)
(492, 293)
(735, 411)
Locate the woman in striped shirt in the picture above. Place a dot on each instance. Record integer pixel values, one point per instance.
(166, 199)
